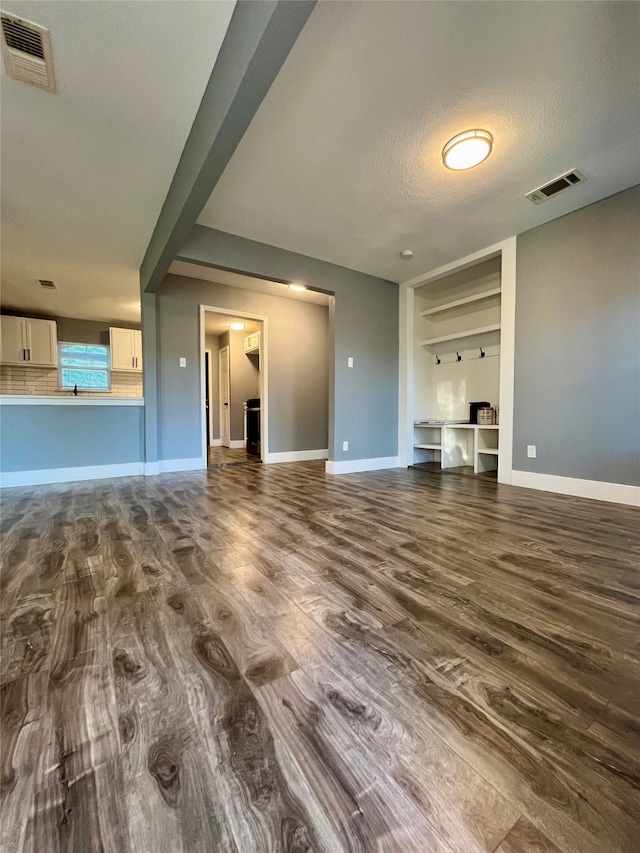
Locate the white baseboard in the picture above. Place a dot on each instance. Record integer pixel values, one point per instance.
(355, 466)
(169, 466)
(217, 442)
(612, 492)
(69, 475)
(297, 456)
(151, 468)
(237, 444)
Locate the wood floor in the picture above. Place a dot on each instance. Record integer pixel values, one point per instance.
(266, 658)
(219, 457)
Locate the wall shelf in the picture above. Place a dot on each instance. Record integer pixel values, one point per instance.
(488, 451)
(428, 446)
(459, 336)
(467, 300)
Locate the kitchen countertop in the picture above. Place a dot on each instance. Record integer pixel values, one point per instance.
(50, 400)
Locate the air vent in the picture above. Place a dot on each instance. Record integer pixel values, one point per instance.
(49, 285)
(26, 50)
(557, 185)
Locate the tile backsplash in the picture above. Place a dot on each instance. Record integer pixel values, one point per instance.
(43, 381)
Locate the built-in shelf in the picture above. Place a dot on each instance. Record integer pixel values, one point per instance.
(467, 300)
(458, 336)
(488, 451)
(428, 446)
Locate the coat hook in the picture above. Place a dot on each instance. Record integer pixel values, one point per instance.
(458, 357)
(438, 360)
(482, 353)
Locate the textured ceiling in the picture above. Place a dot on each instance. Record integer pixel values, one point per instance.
(218, 324)
(85, 171)
(342, 161)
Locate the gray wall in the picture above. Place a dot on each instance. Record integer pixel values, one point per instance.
(577, 360)
(34, 438)
(212, 342)
(244, 379)
(298, 365)
(363, 403)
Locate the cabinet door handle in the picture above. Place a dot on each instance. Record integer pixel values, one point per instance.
(28, 355)
(24, 355)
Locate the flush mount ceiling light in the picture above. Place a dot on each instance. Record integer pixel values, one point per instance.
(297, 287)
(237, 327)
(467, 149)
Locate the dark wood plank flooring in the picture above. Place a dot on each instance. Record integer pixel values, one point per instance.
(267, 658)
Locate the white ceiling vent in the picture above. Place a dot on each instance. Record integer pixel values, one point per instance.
(557, 185)
(49, 285)
(26, 50)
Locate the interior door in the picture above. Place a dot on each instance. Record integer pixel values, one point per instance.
(225, 421)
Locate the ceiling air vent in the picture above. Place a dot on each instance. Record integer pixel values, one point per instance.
(26, 50)
(49, 285)
(557, 185)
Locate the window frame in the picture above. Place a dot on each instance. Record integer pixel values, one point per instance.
(85, 389)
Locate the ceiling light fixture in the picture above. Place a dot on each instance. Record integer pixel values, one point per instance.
(237, 327)
(467, 149)
(298, 287)
(407, 254)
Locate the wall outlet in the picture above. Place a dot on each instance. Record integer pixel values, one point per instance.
(350, 361)
(345, 445)
(183, 362)
(531, 451)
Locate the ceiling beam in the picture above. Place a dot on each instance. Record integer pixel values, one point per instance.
(260, 36)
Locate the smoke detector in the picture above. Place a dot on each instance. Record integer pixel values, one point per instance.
(26, 50)
(407, 254)
(557, 185)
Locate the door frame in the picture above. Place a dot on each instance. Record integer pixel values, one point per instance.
(220, 401)
(209, 354)
(263, 378)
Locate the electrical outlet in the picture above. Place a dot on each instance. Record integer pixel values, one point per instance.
(345, 445)
(531, 451)
(350, 361)
(183, 362)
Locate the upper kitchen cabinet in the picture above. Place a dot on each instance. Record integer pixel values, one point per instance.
(126, 349)
(27, 342)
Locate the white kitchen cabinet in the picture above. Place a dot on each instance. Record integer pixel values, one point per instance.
(252, 344)
(126, 349)
(27, 342)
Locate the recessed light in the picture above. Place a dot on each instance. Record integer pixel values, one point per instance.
(467, 149)
(297, 287)
(237, 327)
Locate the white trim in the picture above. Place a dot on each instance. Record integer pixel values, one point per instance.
(209, 352)
(613, 492)
(297, 456)
(168, 466)
(455, 266)
(32, 400)
(151, 468)
(70, 475)
(237, 443)
(217, 442)
(355, 466)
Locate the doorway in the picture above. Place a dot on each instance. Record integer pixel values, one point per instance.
(234, 387)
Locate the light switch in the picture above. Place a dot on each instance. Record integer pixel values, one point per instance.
(531, 451)
(345, 445)
(183, 362)
(350, 361)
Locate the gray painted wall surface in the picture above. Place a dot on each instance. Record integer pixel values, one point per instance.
(212, 342)
(244, 379)
(34, 438)
(364, 403)
(577, 360)
(298, 365)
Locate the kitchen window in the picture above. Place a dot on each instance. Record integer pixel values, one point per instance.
(85, 366)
